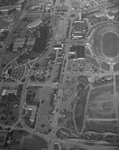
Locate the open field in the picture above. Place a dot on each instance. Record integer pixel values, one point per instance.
(110, 44)
(80, 110)
(101, 126)
(104, 65)
(46, 106)
(99, 90)
(34, 143)
(93, 61)
(102, 107)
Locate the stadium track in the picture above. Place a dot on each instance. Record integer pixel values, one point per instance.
(95, 36)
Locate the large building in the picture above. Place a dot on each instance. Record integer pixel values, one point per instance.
(79, 50)
(79, 29)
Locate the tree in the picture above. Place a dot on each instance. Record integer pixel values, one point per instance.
(32, 78)
(37, 65)
(12, 118)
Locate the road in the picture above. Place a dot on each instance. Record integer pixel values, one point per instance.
(60, 92)
(67, 49)
(56, 112)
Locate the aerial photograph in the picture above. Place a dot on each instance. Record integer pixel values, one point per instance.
(59, 74)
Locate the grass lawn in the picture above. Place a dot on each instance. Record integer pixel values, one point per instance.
(110, 44)
(35, 143)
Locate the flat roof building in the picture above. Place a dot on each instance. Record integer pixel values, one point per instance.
(79, 29)
(80, 26)
(33, 108)
(35, 23)
(79, 50)
(19, 42)
(58, 46)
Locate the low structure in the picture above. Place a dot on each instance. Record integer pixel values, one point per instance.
(32, 108)
(35, 23)
(19, 42)
(5, 92)
(58, 46)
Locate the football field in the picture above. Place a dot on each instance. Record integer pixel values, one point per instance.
(110, 44)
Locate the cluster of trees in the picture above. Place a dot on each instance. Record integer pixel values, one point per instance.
(3, 35)
(8, 2)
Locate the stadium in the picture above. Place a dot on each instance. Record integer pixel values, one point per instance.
(105, 41)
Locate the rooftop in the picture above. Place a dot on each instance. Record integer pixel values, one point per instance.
(19, 42)
(80, 51)
(5, 92)
(80, 26)
(33, 108)
(35, 23)
(77, 34)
